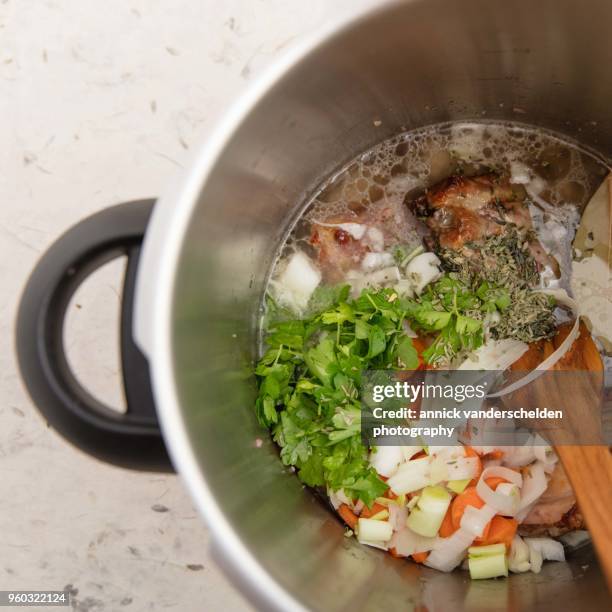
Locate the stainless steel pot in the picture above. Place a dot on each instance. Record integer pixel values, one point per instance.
(395, 66)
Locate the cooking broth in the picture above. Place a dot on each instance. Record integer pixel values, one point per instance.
(449, 247)
(560, 176)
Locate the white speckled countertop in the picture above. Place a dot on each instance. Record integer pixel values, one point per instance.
(103, 102)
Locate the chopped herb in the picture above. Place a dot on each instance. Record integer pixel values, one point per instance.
(503, 273)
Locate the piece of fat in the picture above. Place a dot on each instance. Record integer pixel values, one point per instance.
(422, 270)
(297, 282)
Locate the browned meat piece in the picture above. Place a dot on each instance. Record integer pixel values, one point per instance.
(337, 250)
(555, 512)
(378, 227)
(462, 210)
(570, 521)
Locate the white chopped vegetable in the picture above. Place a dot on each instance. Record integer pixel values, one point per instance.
(422, 270)
(374, 261)
(520, 456)
(474, 520)
(458, 468)
(405, 289)
(520, 174)
(506, 500)
(339, 497)
(535, 559)
(406, 542)
(297, 282)
(356, 230)
(495, 355)
(397, 516)
(375, 239)
(462, 468)
(410, 451)
(426, 518)
(563, 298)
(410, 476)
(378, 278)
(550, 549)
(448, 553)
(386, 459)
(372, 530)
(518, 560)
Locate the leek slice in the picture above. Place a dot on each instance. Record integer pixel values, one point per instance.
(372, 530)
(487, 561)
(458, 486)
(428, 514)
(491, 566)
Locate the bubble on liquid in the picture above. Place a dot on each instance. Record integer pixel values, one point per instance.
(410, 162)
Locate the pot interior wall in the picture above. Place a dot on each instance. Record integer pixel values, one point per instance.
(407, 65)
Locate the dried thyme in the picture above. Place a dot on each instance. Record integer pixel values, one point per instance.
(505, 261)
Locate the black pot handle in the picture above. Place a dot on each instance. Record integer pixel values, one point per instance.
(132, 439)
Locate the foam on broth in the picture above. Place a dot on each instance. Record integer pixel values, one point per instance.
(563, 177)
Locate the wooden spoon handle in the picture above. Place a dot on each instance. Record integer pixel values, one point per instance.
(589, 469)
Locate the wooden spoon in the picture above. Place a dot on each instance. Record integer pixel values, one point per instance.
(588, 466)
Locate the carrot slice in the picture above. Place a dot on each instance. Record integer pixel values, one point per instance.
(395, 554)
(493, 481)
(348, 516)
(502, 531)
(496, 454)
(469, 497)
(420, 557)
(375, 509)
(447, 529)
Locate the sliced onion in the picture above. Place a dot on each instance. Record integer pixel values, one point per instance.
(474, 520)
(550, 549)
(520, 456)
(518, 560)
(397, 516)
(422, 270)
(563, 298)
(462, 468)
(386, 459)
(406, 542)
(339, 497)
(410, 476)
(544, 453)
(535, 559)
(374, 261)
(375, 239)
(448, 553)
(503, 504)
(410, 451)
(533, 486)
